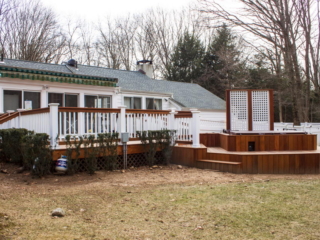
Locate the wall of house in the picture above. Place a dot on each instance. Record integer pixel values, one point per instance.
(119, 99)
(212, 121)
(45, 87)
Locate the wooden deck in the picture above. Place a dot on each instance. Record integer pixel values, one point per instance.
(304, 160)
(133, 147)
(219, 158)
(262, 142)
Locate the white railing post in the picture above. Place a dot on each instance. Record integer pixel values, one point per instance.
(1, 97)
(122, 119)
(81, 123)
(195, 128)
(19, 118)
(11, 124)
(54, 124)
(171, 125)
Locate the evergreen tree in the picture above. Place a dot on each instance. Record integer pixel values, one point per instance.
(223, 67)
(187, 60)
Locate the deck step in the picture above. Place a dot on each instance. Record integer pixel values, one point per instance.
(218, 161)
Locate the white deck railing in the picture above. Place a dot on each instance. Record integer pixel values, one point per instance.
(34, 120)
(184, 128)
(136, 121)
(210, 125)
(59, 122)
(311, 128)
(78, 122)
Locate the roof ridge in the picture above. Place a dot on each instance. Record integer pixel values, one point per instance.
(177, 81)
(108, 68)
(18, 60)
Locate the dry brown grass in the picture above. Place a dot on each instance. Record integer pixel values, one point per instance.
(159, 204)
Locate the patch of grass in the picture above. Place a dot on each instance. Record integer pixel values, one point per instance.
(5, 223)
(283, 209)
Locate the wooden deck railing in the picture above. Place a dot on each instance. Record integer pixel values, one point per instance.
(61, 121)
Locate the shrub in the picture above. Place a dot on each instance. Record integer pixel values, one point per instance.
(108, 148)
(154, 140)
(167, 141)
(90, 154)
(37, 153)
(73, 149)
(12, 144)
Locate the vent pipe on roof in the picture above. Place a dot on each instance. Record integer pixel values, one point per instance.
(72, 63)
(145, 66)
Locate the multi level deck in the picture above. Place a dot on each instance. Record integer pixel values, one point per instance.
(263, 153)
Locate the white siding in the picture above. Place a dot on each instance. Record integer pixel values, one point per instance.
(212, 121)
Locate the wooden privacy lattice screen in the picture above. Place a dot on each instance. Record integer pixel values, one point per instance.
(260, 110)
(239, 110)
(249, 110)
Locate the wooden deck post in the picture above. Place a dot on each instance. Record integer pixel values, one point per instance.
(195, 128)
(54, 130)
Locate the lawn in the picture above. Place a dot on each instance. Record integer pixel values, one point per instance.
(108, 208)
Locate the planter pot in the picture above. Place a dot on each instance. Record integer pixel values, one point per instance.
(62, 164)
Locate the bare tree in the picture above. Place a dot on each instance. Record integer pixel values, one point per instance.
(5, 7)
(32, 33)
(276, 22)
(107, 45)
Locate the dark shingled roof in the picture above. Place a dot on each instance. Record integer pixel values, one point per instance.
(187, 94)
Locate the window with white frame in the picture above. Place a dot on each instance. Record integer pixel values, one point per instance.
(13, 100)
(154, 103)
(132, 102)
(64, 99)
(97, 101)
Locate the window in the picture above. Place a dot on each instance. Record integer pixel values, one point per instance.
(97, 101)
(12, 100)
(71, 100)
(56, 98)
(64, 100)
(132, 102)
(152, 103)
(31, 100)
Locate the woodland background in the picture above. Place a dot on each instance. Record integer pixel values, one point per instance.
(272, 44)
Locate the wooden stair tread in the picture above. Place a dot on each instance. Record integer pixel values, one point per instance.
(218, 161)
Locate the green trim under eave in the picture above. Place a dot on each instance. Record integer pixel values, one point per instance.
(58, 74)
(71, 80)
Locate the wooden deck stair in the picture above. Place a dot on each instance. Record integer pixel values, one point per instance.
(223, 166)
(285, 154)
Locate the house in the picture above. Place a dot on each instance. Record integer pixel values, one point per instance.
(31, 85)
(72, 99)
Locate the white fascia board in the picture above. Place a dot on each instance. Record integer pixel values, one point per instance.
(53, 86)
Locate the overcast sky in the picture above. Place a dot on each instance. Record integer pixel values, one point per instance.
(97, 9)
